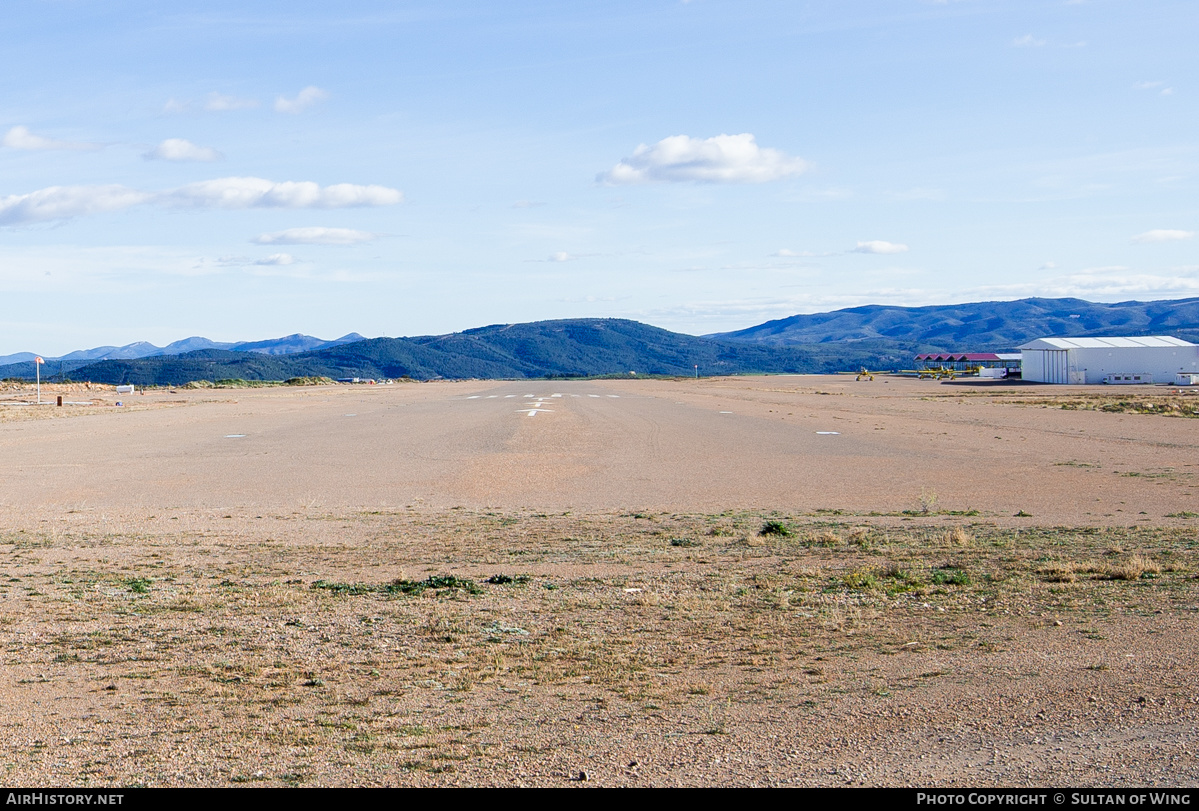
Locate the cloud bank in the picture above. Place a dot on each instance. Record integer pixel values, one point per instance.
(256, 192)
(66, 202)
(180, 149)
(722, 159)
(22, 138)
(315, 235)
(1163, 235)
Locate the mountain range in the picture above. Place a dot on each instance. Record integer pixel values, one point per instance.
(876, 336)
(286, 345)
(984, 326)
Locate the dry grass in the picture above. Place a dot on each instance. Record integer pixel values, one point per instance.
(594, 611)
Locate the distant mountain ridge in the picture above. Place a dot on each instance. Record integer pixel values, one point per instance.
(569, 348)
(979, 326)
(876, 337)
(141, 349)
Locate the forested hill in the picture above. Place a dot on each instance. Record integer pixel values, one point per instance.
(985, 326)
(569, 348)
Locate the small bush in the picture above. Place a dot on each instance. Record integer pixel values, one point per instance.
(956, 537)
(928, 500)
(503, 579)
(1058, 572)
(951, 577)
(1134, 568)
(861, 579)
(827, 538)
(684, 542)
(775, 528)
(400, 586)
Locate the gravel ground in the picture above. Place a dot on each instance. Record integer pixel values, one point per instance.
(677, 596)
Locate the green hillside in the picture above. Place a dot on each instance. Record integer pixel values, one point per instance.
(571, 348)
(986, 326)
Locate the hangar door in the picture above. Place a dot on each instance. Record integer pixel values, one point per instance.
(1055, 366)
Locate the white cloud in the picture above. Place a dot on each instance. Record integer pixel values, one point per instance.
(256, 192)
(722, 159)
(1167, 91)
(277, 259)
(527, 204)
(65, 202)
(308, 96)
(219, 103)
(1148, 85)
(561, 256)
(22, 138)
(174, 105)
(315, 235)
(1048, 266)
(1162, 235)
(880, 246)
(180, 149)
(1028, 41)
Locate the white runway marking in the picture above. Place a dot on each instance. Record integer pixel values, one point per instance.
(351, 415)
(234, 436)
(535, 403)
(829, 433)
(726, 412)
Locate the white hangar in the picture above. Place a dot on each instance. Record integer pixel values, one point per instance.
(1150, 359)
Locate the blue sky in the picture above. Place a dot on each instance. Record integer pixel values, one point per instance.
(246, 170)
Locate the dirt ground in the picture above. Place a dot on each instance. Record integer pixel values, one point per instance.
(788, 580)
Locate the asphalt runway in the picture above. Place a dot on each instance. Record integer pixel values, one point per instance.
(793, 443)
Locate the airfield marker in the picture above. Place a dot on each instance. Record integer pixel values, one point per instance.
(37, 364)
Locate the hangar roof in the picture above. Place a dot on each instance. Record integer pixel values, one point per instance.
(1106, 343)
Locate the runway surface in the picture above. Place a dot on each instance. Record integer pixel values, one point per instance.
(787, 442)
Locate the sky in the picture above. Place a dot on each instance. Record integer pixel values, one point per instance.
(245, 170)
